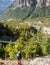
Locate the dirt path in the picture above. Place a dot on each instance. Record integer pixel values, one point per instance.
(13, 62)
(37, 61)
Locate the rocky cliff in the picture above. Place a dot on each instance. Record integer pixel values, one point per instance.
(20, 10)
(43, 2)
(29, 3)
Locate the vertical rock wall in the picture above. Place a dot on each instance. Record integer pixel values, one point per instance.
(29, 3)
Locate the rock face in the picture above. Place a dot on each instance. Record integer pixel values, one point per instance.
(23, 3)
(29, 3)
(43, 2)
(40, 61)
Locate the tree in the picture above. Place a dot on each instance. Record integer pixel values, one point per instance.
(44, 46)
(19, 46)
(32, 48)
(9, 49)
(48, 47)
(2, 51)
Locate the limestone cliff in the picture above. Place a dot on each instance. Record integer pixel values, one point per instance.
(29, 3)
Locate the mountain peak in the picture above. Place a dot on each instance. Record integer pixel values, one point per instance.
(22, 9)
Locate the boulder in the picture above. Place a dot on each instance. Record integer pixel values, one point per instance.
(40, 61)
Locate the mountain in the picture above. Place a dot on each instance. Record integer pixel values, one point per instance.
(23, 9)
(4, 4)
(28, 3)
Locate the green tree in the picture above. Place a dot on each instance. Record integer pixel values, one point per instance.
(48, 48)
(44, 46)
(2, 51)
(32, 48)
(19, 46)
(9, 49)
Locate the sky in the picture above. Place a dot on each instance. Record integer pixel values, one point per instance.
(4, 4)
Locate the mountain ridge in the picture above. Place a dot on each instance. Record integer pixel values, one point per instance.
(29, 3)
(37, 8)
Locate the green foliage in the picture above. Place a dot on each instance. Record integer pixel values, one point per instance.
(9, 50)
(30, 44)
(48, 49)
(19, 44)
(2, 51)
(29, 48)
(44, 46)
(32, 49)
(9, 47)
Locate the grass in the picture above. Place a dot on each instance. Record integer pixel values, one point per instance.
(28, 14)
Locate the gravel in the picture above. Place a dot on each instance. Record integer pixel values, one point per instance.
(36, 61)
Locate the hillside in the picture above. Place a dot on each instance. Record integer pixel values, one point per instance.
(36, 9)
(41, 12)
(20, 14)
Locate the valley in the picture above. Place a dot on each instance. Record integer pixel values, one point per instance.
(27, 23)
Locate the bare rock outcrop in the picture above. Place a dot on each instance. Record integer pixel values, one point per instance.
(29, 3)
(40, 61)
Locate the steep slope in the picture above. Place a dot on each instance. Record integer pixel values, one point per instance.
(19, 10)
(41, 12)
(15, 14)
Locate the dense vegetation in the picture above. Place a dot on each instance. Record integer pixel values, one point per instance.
(30, 42)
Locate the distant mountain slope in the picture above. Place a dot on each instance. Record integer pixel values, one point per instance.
(20, 14)
(41, 12)
(17, 13)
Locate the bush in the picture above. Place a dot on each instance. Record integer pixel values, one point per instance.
(2, 51)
